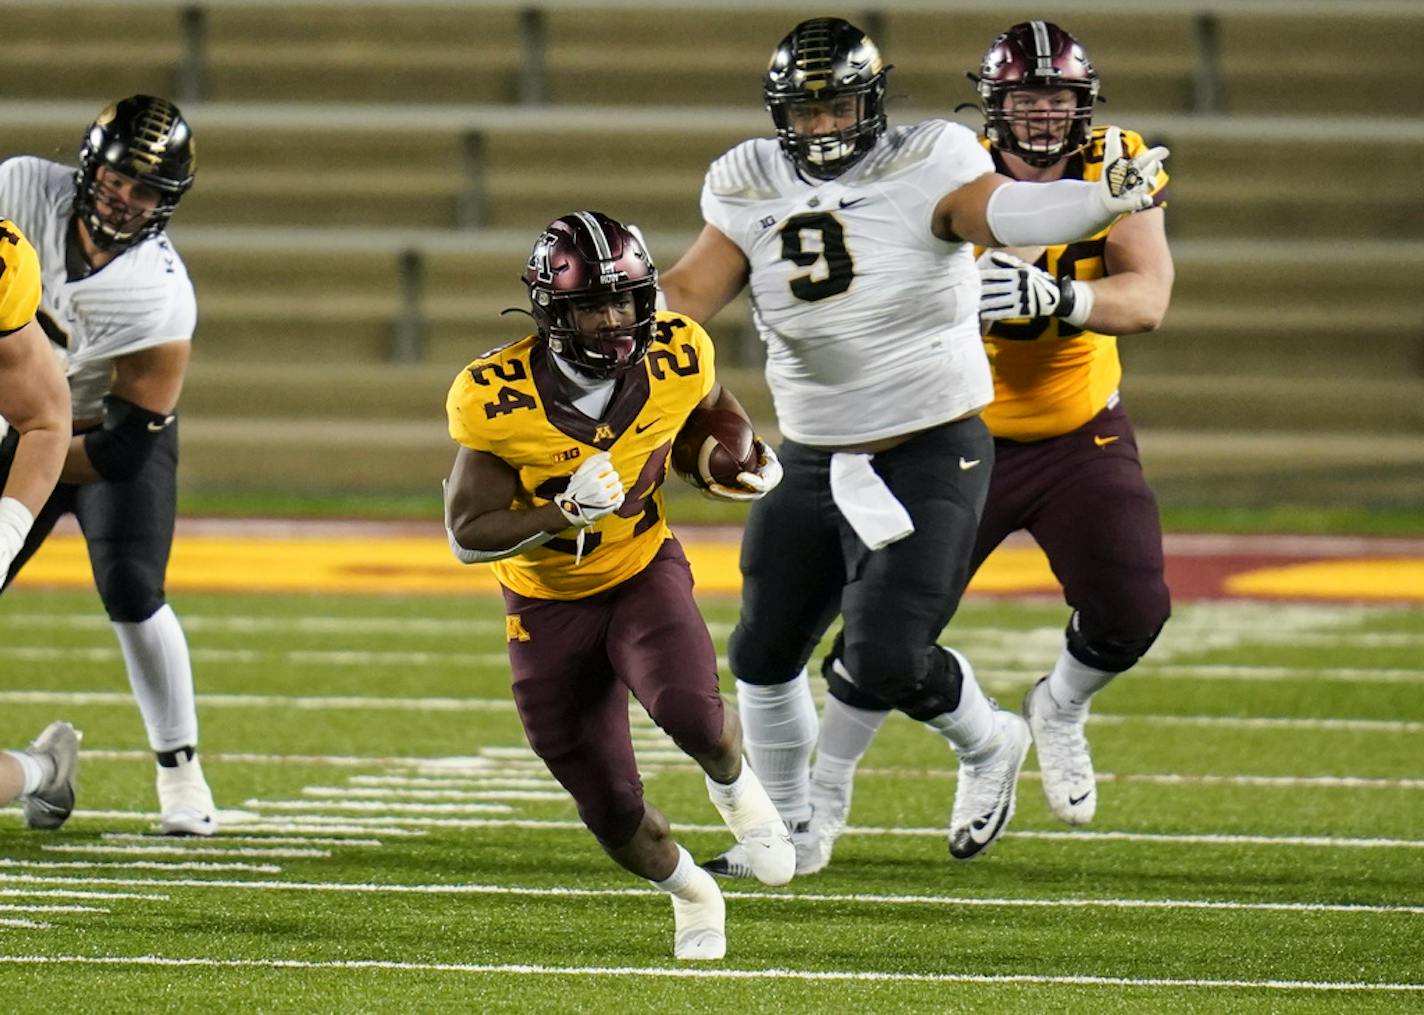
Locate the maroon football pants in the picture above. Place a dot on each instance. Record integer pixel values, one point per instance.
(574, 664)
(1083, 498)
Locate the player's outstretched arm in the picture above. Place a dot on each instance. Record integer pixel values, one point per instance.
(706, 278)
(994, 211)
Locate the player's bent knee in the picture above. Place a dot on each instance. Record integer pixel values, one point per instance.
(762, 661)
(692, 717)
(1112, 654)
(922, 684)
(129, 591)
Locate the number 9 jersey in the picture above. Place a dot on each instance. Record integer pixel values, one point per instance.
(512, 403)
(19, 279)
(871, 322)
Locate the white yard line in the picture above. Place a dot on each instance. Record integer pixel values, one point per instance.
(211, 847)
(850, 899)
(11, 908)
(158, 865)
(692, 973)
(22, 924)
(378, 806)
(402, 793)
(63, 893)
(254, 840)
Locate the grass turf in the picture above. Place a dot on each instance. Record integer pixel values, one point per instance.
(1241, 859)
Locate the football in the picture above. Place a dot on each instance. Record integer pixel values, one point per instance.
(713, 446)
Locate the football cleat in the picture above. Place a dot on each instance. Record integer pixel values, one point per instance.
(700, 925)
(185, 803)
(830, 809)
(50, 806)
(764, 844)
(1064, 762)
(810, 855)
(984, 799)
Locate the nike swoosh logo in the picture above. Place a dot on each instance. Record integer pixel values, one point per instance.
(981, 830)
(1103, 442)
(159, 427)
(1074, 801)
(851, 204)
(640, 429)
(966, 464)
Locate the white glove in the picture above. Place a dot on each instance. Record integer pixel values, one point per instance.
(752, 485)
(1126, 184)
(15, 524)
(1011, 288)
(594, 492)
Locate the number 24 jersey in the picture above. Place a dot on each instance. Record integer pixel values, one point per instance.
(511, 403)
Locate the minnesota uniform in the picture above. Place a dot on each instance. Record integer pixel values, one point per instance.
(587, 626)
(509, 404)
(1050, 377)
(19, 279)
(1066, 462)
(141, 299)
(872, 331)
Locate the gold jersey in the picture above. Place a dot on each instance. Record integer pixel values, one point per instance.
(511, 403)
(19, 278)
(1050, 377)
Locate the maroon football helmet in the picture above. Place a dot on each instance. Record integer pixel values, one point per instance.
(1036, 54)
(580, 260)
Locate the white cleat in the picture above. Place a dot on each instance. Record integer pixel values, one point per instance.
(1064, 761)
(762, 838)
(700, 924)
(50, 806)
(984, 798)
(184, 800)
(810, 857)
(830, 809)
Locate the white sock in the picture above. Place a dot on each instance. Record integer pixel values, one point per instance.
(970, 727)
(156, 654)
(726, 794)
(677, 882)
(846, 733)
(1072, 685)
(37, 769)
(779, 733)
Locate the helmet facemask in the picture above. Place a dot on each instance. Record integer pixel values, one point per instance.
(823, 64)
(599, 334)
(593, 293)
(1037, 58)
(145, 140)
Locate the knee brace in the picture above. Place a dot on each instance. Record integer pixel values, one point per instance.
(1112, 655)
(841, 687)
(924, 695)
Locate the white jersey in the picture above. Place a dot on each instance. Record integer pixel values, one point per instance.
(871, 322)
(140, 299)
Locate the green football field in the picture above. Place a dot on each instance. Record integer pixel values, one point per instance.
(392, 845)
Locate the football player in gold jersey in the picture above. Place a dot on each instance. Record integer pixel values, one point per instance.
(1066, 467)
(565, 437)
(34, 423)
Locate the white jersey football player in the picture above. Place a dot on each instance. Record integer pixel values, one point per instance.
(856, 244)
(118, 307)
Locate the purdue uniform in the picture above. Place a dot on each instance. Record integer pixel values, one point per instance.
(871, 330)
(116, 301)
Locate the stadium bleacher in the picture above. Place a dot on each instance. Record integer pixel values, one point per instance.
(372, 173)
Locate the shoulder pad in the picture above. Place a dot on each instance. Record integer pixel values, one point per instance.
(742, 173)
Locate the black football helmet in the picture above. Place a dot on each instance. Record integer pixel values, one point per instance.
(145, 138)
(821, 60)
(1036, 54)
(583, 257)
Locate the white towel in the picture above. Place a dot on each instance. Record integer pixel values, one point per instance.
(867, 503)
